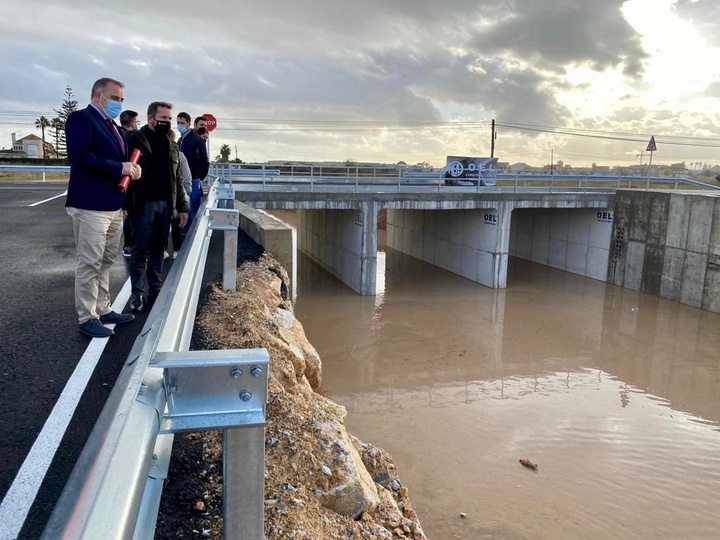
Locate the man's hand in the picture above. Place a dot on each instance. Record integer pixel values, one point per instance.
(132, 170)
(183, 219)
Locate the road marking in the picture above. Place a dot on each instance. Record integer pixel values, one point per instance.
(21, 495)
(50, 199)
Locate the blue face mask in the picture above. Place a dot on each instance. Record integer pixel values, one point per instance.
(182, 128)
(113, 108)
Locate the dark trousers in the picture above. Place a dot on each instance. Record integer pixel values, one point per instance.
(127, 233)
(195, 201)
(176, 233)
(150, 225)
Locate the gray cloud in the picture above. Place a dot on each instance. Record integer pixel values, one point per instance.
(554, 33)
(704, 14)
(375, 61)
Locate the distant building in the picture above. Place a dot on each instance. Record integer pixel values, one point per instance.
(518, 167)
(30, 146)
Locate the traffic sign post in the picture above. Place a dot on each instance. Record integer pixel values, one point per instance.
(651, 147)
(211, 121)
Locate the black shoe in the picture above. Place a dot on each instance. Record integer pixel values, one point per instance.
(94, 328)
(137, 302)
(117, 318)
(126, 252)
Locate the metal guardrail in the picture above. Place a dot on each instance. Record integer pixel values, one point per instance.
(299, 173)
(38, 169)
(395, 178)
(327, 185)
(114, 489)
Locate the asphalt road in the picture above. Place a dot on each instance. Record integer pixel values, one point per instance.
(40, 345)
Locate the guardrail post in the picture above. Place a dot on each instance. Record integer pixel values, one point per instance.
(244, 483)
(227, 220)
(225, 389)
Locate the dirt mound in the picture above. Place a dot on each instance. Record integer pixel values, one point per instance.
(320, 482)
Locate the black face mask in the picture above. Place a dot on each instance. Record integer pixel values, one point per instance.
(162, 127)
(201, 131)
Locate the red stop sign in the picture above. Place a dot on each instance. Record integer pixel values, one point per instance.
(211, 121)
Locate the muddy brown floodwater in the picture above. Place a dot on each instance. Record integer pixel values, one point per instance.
(614, 394)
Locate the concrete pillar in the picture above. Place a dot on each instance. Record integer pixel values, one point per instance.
(344, 243)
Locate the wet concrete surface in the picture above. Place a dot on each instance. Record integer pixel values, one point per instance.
(615, 394)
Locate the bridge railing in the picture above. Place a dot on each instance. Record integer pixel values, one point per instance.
(408, 175)
(114, 489)
(369, 178)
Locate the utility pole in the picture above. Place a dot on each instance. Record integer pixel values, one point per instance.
(640, 155)
(552, 160)
(493, 135)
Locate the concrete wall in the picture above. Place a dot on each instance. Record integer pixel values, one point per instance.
(343, 242)
(575, 240)
(668, 244)
(269, 232)
(273, 235)
(471, 243)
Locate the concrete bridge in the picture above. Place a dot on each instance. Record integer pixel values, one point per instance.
(469, 233)
(663, 241)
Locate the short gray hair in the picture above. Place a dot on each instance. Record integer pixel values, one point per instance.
(101, 84)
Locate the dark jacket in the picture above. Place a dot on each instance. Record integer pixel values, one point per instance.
(193, 146)
(135, 196)
(96, 159)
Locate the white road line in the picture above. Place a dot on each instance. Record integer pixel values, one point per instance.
(50, 199)
(21, 495)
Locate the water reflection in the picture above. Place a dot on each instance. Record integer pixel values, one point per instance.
(614, 393)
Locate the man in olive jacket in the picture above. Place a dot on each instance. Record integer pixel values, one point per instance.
(150, 202)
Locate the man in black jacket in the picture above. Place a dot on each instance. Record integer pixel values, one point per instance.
(150, 202)
(193, 146)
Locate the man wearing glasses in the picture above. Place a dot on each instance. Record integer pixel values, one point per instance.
(98, 157)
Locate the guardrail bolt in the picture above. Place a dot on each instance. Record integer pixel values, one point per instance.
(256, 371)
(172, 388)
(245, 395)
(236, 373)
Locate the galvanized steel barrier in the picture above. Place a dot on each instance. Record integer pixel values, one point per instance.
(114, 490)
(408, 179)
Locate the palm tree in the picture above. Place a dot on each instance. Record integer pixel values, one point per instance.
(225, 153)
(42, 123)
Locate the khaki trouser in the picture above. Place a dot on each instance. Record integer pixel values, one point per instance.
(97, 238)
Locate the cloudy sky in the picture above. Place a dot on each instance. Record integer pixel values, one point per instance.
(388, 80)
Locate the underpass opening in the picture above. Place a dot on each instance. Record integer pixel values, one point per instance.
(576, 240)
(471, 243)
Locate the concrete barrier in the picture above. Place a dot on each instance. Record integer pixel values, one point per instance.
(272, 234)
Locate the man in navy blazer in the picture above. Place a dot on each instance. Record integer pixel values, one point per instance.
(98, 157)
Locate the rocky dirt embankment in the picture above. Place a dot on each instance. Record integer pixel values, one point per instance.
(321, 482)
